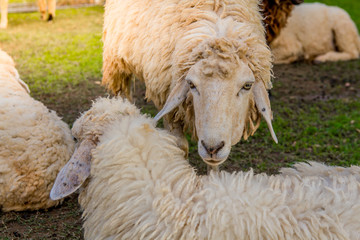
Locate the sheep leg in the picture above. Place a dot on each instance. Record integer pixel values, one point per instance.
(334, 56)
(4, 13)
(176, 130)
(42, 8)
(286, 60)
(51, 7)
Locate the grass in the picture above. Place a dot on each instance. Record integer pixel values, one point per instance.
(61, 61)
(65, 53)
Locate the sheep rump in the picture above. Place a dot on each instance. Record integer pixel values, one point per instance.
(34, 144)
(317, 32)
(141, 187)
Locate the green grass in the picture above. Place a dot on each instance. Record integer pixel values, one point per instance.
(52, 56)
(351, 6)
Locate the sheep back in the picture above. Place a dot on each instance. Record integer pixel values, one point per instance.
(141, 187)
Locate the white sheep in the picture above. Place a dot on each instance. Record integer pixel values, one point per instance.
(205, 63)
(34, 144)
(317, 32)
(141, 187)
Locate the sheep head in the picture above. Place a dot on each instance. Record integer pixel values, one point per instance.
(87, 129)
(224, 91)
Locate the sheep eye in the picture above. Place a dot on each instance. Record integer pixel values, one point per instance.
(247, 86)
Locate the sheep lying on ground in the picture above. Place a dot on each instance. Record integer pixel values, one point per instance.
(34, 144)
(204, 63)
(317, 32)
(141, 187)
(276, 13)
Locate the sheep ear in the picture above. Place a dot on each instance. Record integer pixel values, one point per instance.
(263, 105)
(176, 97)
(75, 172)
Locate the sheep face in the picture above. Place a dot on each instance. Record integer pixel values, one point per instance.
(220, 94)
(221, 91)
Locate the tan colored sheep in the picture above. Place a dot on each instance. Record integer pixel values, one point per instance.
(205, 63)
(34, 144)
(140, 187)
(50, 5)
(43, 4)
(317, 32)
(4, 13)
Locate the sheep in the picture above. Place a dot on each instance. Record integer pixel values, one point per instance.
(139, 186)
(205, 64)
(34, 144)
(318, 33)
(276, 13)
(51, 5)
(4, 13)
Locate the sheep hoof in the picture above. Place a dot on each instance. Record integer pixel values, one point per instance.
(50, 18)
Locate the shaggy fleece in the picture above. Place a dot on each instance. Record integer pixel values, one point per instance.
(158, 41)
(141, 187)
(34, 144)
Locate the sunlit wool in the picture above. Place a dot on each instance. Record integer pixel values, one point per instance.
(34, 144)
(317, 32)
(159, 41)
(140, 187)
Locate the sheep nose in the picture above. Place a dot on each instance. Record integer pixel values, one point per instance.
(211, 150)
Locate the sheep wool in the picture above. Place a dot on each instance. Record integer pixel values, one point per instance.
(34, 144)
(318, 33)
(141, 187)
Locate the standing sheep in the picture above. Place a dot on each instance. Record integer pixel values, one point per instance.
(140, 187)
(34, 144)
(4, 13)
(50, 5)
(205, 63)
(317, 32)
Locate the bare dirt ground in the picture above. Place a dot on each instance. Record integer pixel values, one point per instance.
(296, 87)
